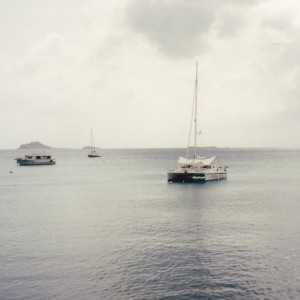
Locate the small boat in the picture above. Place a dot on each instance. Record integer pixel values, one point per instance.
(35, 159)
(197, 168)
(93, 153)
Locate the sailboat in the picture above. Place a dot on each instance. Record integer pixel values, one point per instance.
(198, 168)
(93, 152)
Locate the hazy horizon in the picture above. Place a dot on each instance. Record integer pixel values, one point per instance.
(153, 148)
(126, 69)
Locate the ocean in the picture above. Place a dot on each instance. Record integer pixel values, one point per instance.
(113, 228)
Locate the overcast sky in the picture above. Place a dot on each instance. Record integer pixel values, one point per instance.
(127, 68)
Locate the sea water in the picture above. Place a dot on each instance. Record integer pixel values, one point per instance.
(113, 228)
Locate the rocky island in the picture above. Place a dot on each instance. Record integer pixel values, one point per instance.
(34, 145)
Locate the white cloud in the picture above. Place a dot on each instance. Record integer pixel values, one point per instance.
(182, 28)
(126, 68)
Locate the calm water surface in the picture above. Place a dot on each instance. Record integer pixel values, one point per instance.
(112, 228)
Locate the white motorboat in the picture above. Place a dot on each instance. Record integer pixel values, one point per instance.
(35, 159)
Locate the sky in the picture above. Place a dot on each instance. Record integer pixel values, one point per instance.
(126, 68)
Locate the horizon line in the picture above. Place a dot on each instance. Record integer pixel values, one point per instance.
(141, 148)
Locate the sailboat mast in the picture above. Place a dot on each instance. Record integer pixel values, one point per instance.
(91, 139)
(196, 110)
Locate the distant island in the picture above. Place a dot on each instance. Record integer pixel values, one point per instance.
(34, 145)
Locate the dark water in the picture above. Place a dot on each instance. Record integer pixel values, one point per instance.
(112, 228)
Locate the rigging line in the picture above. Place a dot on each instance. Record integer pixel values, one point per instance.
(194, 114)
(190, 131)
(196, 109)
(91, 139)
(211, 132)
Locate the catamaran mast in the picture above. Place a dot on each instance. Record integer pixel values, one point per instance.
(196, 108)
(92, 139)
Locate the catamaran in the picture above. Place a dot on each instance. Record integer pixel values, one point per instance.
(93, 153)
(198, 168)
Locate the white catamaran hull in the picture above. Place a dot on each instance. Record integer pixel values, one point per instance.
(215, 176)
(186, 177)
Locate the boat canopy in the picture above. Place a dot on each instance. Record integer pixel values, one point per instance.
(199, 161)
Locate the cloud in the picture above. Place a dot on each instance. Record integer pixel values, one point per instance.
(281, 57)
(230, 23)
(126, 68)
(181, 28)
(177, 28)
